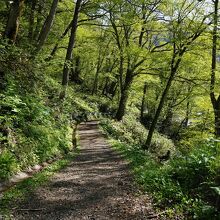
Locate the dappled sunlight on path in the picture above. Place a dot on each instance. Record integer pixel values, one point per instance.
(96, 185)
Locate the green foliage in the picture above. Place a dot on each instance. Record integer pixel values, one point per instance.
(184, 185)
(35, 125)
(195, 168)
(32, 127)
(177, 195)
(133, 132)
(8, 164)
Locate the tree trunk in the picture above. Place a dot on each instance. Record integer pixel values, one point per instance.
(70, 48)
(122, 105)
(31, 20)
(11, 30)
(217, 120)
(159, 109)
(215, 102)
(47, 26)
(173, 69)
(124, 96)
(143, 101)
(186, 121)
(105, 86)
(40, 10)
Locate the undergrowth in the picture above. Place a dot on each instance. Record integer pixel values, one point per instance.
(35, 124)
(186, 186)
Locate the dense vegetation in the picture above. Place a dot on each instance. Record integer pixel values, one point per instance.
(148, 68)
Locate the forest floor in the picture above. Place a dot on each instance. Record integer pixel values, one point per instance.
(97, 185)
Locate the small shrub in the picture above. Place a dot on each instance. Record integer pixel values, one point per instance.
(8, 165)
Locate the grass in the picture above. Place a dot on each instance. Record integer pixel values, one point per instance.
(22, 189)
(157, 179)
(183, 185)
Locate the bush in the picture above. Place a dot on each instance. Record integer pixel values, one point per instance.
(133, 132)
(8, 165)
(184, 185)
(34, 125)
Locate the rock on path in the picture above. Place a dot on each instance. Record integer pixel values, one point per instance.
(97, 185)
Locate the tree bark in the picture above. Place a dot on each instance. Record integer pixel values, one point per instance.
(143, 101)
(40, 10)
(71, 44)
(159, 109)
(124, 96)
(173, 69)
(11, 30)
(215, 102)
(47, 26)
(31, 20)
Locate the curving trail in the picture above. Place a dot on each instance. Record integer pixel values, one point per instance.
(97, 185)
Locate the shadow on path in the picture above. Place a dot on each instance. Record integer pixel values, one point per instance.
(96, 186)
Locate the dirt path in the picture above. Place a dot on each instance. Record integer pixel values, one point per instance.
(96, 186)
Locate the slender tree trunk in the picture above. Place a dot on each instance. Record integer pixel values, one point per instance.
(215, 102)
(159, 109)
(174, 66)
(217, 119)
(40, 10)
(11, 30)
(186, 121)
(143, 101)
(69, 52)
(47, 26)
(31, 20)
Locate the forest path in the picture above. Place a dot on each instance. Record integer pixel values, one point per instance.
(97, 185)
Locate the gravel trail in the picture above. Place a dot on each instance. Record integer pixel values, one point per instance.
(97, 185)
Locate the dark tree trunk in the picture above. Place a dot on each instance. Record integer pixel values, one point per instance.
(122, 105)
(173, 69)
(215, 102)
(40, 10)
(124, 96)
(105, 86)
(217, 120)
(71, 44)
(159, 109)
(11, 30)
(47, 26)
(31, 20)
(186, 121)
(143, 101)
(112, 89)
